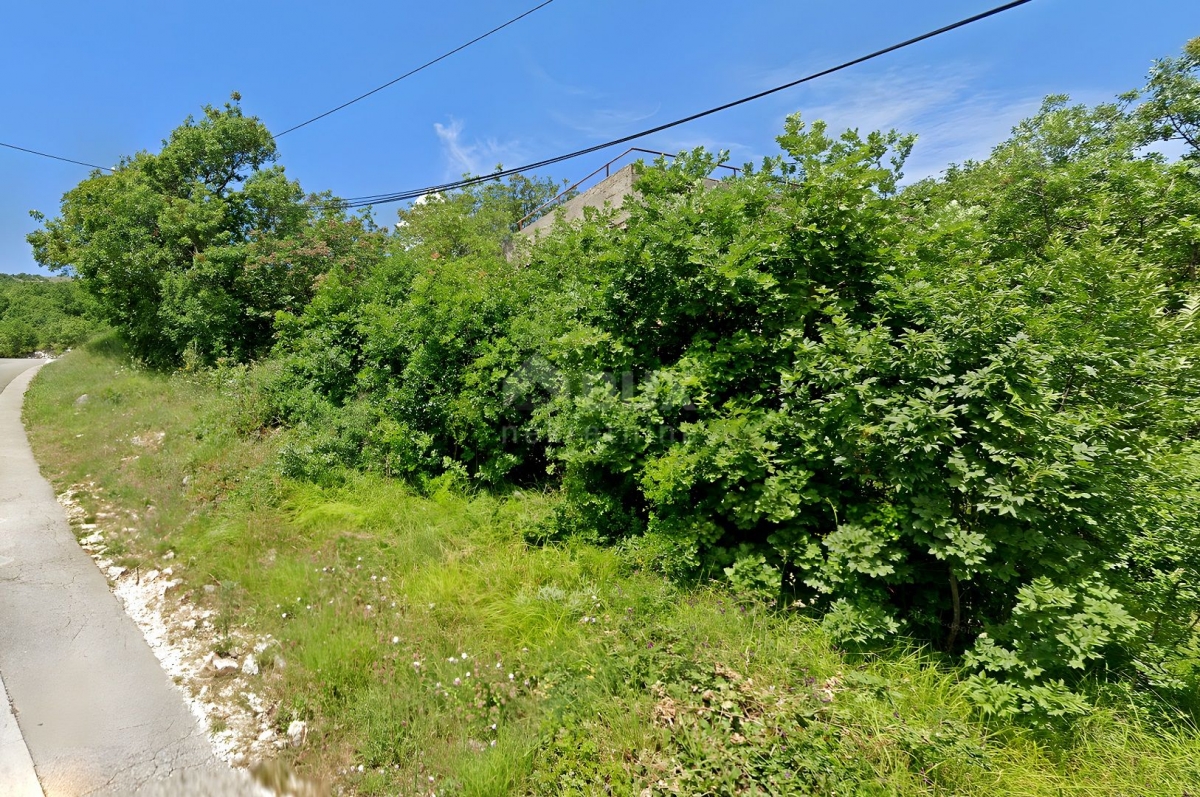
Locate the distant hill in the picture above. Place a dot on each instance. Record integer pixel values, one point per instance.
(42, 314)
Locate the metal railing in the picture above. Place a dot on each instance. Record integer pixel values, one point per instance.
(541, 210)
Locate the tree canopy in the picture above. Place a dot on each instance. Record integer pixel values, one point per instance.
(181, 248)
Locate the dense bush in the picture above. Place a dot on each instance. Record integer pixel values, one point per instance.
(939, 413)
(961, 411)
(405, 355)
(40, 314)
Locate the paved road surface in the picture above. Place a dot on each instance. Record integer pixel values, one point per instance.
(10, 368)
(97, 713)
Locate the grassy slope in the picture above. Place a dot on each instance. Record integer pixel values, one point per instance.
(668, 686)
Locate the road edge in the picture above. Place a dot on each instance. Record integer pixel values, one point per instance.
(17, 774)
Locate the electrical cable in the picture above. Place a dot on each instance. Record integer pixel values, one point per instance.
(54, 157)
(400, 196)
(408, 74)
(412, 72)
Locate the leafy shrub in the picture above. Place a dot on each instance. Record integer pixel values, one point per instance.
(424, 345)
(923, 408)
(914, 411)
(1053, 632)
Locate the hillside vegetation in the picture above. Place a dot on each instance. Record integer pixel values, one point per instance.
(400, 616)
(42, 315)
(812, 482)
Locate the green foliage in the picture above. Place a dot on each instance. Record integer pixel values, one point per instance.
(623, 681)
(916, 411)
(474, 222)
(961, 411)
(181, 249)
(754, 577)
(1053, 632)
(39, 314)
(416, 357)
(1171, 111)
(924, 408)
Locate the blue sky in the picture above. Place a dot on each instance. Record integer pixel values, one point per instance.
(94, 81)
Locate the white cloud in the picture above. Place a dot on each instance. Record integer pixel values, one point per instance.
(967, 129)
(953, 120)
(476, 156)
(544, 78)
(604, 123)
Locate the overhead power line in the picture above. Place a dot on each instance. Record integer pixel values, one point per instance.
(400, 196)
(423, 66)
(54, 157)
(408, 74)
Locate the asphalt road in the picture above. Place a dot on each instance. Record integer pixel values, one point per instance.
(97, 714)
(10, 368)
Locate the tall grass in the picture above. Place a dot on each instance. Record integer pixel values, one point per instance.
(588, 672)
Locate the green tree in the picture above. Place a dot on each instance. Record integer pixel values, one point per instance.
(960, 409)
(478, 220)
(172, 244)
(1171, 111)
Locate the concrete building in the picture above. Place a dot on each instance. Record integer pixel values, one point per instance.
(608, 193)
